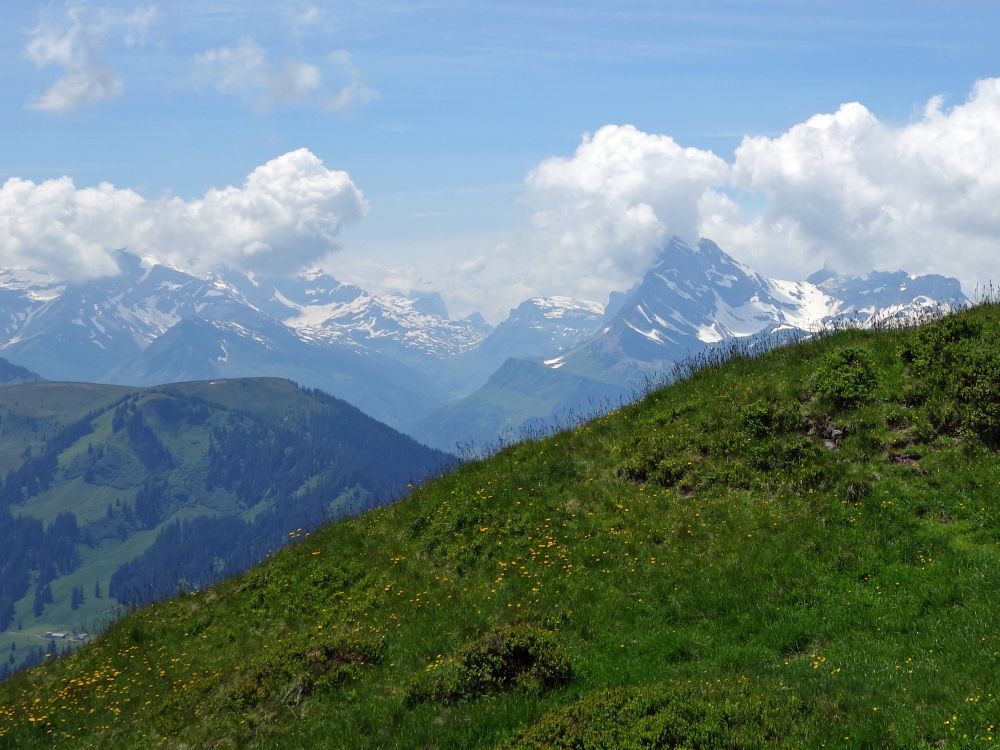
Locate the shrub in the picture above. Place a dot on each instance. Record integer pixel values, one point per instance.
(763, 419)
(953, 376)
(289, 670)
(846, 378)
(977, 390)
(662, 716)
(655, 456)
(511, 657)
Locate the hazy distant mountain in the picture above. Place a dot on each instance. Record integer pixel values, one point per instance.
(199, 349)
(520, 396)
(692, 299)
(404, 360)
(538, 327)
(11, 374)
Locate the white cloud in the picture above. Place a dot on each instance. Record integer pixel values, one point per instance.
(851, 190)
(607, 209)
(54, 227)
(353, 92)
(287, 214)
(73, 42)
(305, 18)
(246, 71)
(844, 189)
(595, 220)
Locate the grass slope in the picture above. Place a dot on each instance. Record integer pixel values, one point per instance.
(796, 550)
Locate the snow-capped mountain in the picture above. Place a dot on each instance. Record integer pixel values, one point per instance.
(887, 293)
(545, 323)
(81, 330)
(319, 308)
(402, 359)
(693, 298)
(700, 296)
(538, 327)
(153, 323)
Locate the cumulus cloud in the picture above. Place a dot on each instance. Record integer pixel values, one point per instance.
(858, 193)
(845, 190)
(607, 209)
(595, 220)
(52, 226)
(246, 71)
(73, 42)
(287, 214)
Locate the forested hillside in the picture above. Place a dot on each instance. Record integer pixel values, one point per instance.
(115, 497)
(796, 549)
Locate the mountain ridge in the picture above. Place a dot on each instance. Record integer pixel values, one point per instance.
(404, 360)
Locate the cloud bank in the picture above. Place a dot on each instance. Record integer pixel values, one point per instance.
(287, 214)
(843, 189)
(73, 43)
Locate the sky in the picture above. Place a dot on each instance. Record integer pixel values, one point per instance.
(495, 151)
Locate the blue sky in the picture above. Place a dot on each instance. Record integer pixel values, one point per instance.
(439, 111)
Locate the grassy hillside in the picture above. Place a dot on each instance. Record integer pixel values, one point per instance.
(800, 550)
(112, 495)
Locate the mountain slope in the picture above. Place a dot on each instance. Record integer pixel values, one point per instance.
(117, 495)
(520, 397)
(11, 374)
(793, 551)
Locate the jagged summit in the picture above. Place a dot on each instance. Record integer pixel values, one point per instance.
(697, 296)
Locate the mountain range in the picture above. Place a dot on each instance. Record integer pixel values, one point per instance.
(693, 299)
(403, 360)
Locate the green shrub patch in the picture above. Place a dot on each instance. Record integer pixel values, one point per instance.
(508, 658)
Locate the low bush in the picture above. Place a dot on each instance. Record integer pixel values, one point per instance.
(663, 716)
(511, 657)
(846, 378)
(288, 671)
